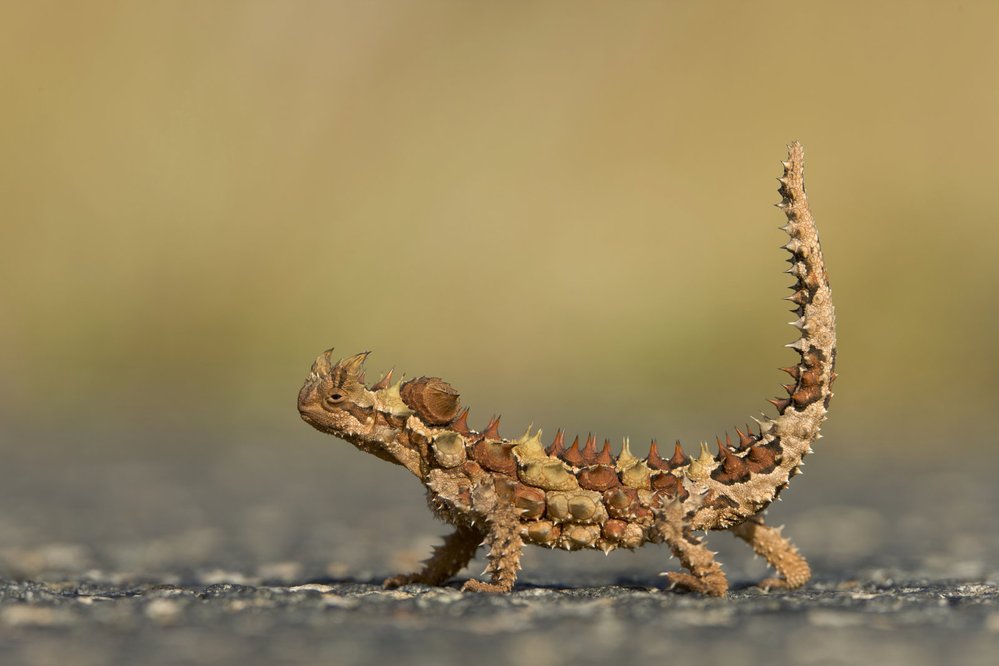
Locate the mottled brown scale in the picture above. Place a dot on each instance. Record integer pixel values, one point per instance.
(495, 457)
(573, 455)
(726, 507)
(550, 475)
(395, 421)
(621, 502)
(637, 475)
(473, 470)
(733, 469)
(505, 487)
(813, 377)
(433, 399)
(543, 532)
(582, 507)
(670, 485)
(642, 514)
(633, 537)
(557, 507)
(806, 395)
(360, 412)
(808, 388)
(449, 449)
(614, 529)
(663, 481)
(580, 536)
(598, 477)
(812, 281)
(530, 501)
(812, 358)
(415, 438)
(761, 459)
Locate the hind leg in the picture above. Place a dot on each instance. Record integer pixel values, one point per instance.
(706, 575)
(448, 559)
(780, 553)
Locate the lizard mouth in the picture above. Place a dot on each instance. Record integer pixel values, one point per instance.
(307, 408)
(315, 422)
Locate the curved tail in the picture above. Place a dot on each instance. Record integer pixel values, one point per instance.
(815, 373)
(750, 475)
(715, 492)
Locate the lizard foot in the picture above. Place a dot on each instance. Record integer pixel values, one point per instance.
(710, 585)
(405, 579)
(478, 586)
(768, 584)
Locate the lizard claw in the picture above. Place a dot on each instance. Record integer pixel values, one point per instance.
(478, 586)
(768, 584)
(685, 582)
(402, 579)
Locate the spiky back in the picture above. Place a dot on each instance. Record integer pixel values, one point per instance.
(743, 477)
(577, 496)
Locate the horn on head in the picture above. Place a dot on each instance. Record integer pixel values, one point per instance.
(349, 370)
(323, 363)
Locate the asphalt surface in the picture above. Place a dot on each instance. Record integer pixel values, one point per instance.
(257, 555)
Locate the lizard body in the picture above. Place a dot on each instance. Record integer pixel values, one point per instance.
(508, 493)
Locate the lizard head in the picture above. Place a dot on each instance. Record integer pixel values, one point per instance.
(334, 398)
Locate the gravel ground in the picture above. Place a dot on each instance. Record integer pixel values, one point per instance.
(257, 556)
(343, 623)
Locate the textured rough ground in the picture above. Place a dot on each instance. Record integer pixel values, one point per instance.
(913, 622)
(263, 556)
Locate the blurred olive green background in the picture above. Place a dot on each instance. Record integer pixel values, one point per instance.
(565, 209)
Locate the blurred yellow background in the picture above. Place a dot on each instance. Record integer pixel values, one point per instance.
(563, 208)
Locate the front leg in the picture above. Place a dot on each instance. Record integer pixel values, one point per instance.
(505, 548)
(706, 575)
(447, 559)
(779, 552)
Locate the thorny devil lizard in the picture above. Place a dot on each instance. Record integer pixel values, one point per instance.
(510, 492)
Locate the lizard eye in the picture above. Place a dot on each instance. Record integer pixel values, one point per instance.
(335, 398)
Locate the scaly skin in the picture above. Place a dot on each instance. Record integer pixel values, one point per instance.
(510, 492)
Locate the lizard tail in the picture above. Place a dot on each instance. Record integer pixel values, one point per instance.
(750, 475)
(810, 392)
